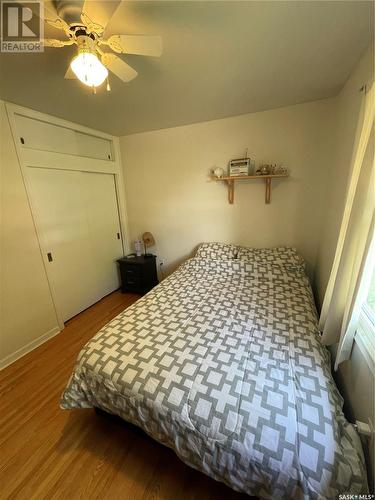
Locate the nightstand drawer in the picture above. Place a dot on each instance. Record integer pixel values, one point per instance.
(132, 285)
(133, 272)
(131, 278)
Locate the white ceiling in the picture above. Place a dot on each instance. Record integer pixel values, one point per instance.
(220, 59)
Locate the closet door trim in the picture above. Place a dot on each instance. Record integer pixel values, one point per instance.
(63, 161)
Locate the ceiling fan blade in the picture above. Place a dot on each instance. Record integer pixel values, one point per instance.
(59, 24)
(53, 42)
(91, 26)
(142, 45)
(119, 67)
(70, 75)
(56, 23)
(100, 12)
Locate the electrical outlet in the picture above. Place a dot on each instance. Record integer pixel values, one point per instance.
(161, 262)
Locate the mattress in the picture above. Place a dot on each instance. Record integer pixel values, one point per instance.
(222, 362)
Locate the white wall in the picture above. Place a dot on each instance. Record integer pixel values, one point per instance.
(27, 311)
(169, 194)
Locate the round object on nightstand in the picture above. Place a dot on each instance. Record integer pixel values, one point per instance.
(148, 241)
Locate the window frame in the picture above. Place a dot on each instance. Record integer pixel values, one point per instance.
(365, 331)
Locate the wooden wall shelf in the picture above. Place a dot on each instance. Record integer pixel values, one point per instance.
(267, 180)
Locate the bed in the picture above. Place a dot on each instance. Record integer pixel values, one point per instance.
(222, 362)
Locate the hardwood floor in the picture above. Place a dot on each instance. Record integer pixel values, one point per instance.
(49, 453)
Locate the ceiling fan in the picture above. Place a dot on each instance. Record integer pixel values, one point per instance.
(83, 23)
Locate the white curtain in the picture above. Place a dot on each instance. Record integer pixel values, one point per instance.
(340, 305)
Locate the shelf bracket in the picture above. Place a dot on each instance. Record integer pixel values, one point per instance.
(268, 181)
(230, 191)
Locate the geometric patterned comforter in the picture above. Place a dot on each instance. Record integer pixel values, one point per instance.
(223, 363)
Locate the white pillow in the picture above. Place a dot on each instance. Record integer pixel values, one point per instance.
(279, 256)
(217, 251)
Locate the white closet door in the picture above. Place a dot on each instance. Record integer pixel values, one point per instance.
(104, 226)
(76, 216)
(58, 206)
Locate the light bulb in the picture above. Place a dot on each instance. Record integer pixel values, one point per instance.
(88, 69)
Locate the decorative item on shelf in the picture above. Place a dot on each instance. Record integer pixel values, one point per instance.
(263, 170)
(282, 170)
(278, 170)
(218, 172)
(138, 247)
(252, 167)
(148, 241)
(239, 167)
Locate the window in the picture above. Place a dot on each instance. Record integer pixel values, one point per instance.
(365, 334)
(370, 302)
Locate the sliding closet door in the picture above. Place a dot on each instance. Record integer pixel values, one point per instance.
(60, 213)
(78, 225)
(104, 227)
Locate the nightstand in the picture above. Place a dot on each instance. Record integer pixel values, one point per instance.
(138, 274)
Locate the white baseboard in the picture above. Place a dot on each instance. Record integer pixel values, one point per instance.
(11, 358)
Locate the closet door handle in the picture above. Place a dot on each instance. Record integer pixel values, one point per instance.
(118, 236)
(49, 257)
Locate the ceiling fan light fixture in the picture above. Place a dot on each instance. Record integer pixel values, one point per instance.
(92, 63)
(89, 70)
(86, 65)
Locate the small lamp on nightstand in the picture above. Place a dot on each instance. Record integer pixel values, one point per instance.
(148, 241)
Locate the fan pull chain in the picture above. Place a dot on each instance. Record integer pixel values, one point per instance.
(94, 90)
(108, 86)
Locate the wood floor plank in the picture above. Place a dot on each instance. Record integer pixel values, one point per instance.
(49, 453)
